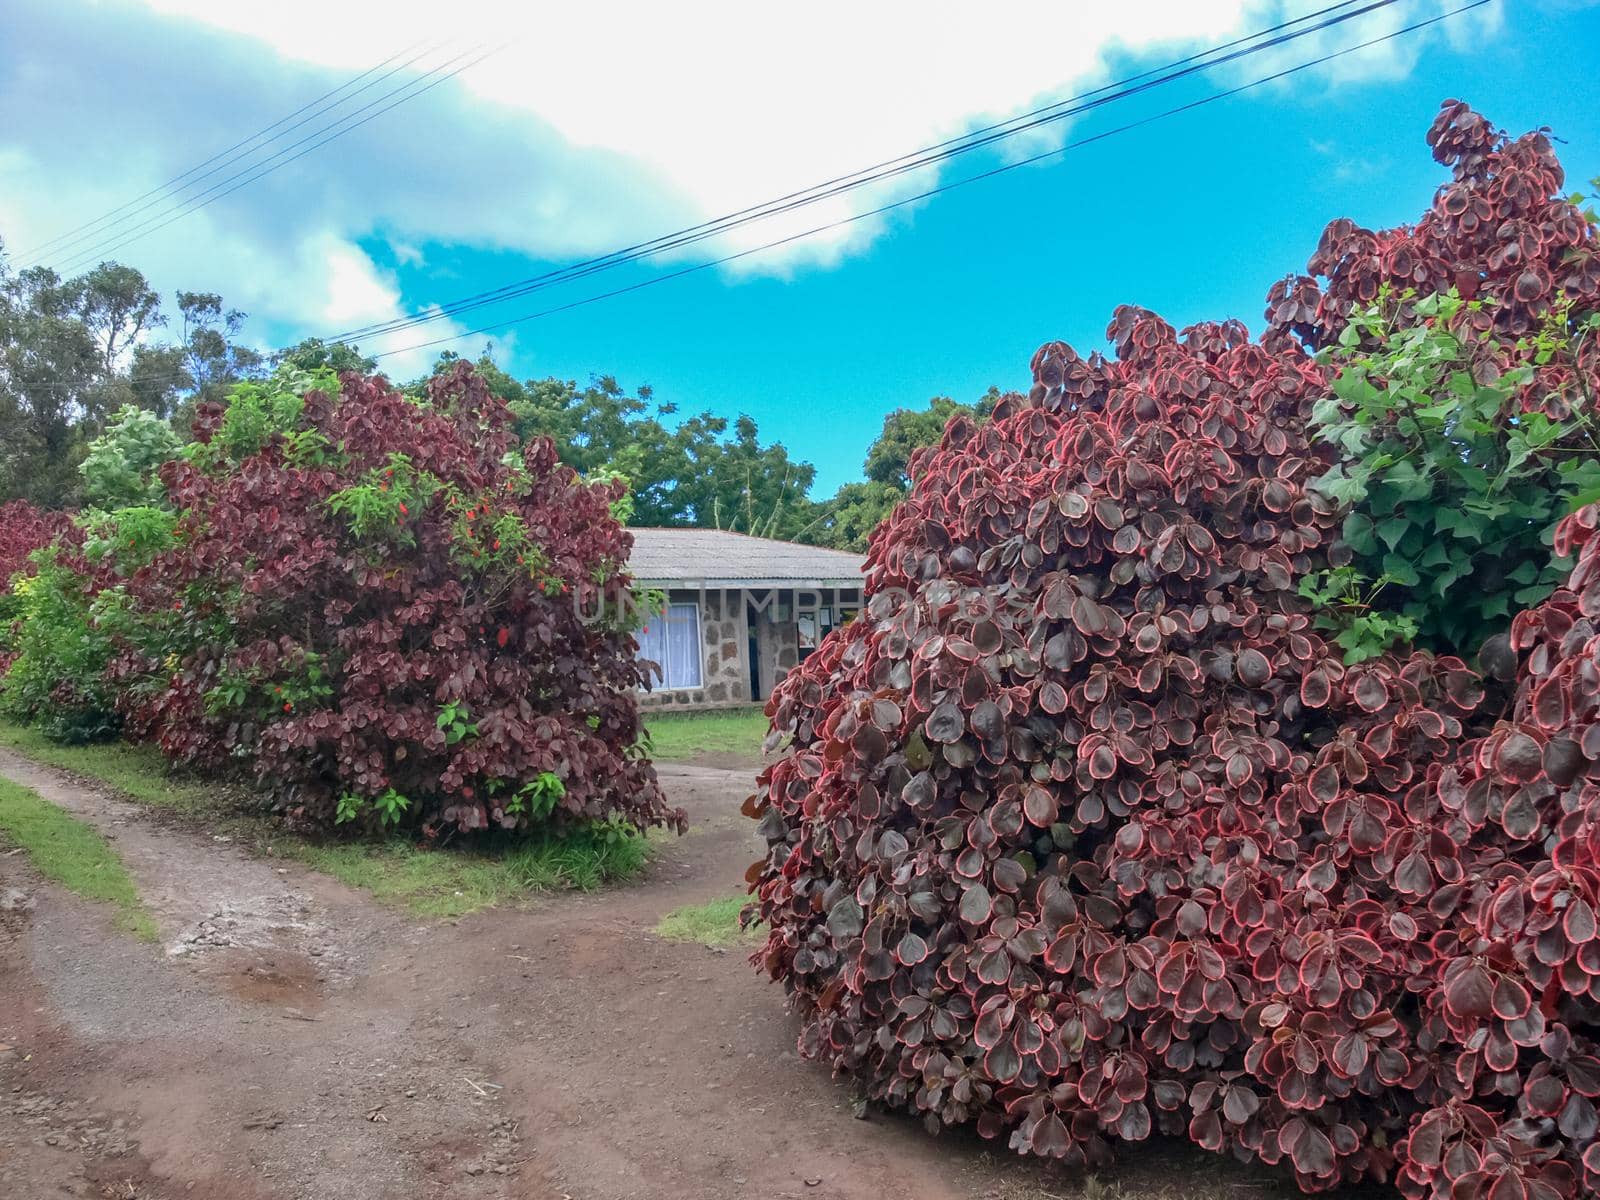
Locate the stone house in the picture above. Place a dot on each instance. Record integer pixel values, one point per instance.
(740, 611)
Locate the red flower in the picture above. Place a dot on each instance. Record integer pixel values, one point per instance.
(503, 637)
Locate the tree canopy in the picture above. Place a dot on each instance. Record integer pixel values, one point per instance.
(75, 351)
(102, 354)
(701, 470)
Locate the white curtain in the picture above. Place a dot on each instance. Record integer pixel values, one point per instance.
(653, 645)
(672, 639)
(683, 645)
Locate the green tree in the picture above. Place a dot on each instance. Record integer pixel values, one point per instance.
(212, 357)
(701, 470)
(846, 520)
(737, 483)
(119, 307)
(907, 430)
(49, 369)
(314, 354)
(74, 351)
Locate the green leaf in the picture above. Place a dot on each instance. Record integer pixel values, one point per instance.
(1358, 533)
(1401, 570)
(1525, 572)
(1434, 554)
(1392, 530)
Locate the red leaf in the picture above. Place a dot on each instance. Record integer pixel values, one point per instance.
(1470, 992)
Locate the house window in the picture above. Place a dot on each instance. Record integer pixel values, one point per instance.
(672, 639)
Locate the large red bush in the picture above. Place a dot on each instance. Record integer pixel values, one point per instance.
(388, 614)
(1085, 833)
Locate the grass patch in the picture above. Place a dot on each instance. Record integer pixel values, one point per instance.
(449, 881)
(71, 853)
(715, 923)
(679, 736)
(454, 881)
(431, 882)
(140, 772)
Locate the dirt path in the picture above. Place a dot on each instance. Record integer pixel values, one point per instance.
(289, 1039)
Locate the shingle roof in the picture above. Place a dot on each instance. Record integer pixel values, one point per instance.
(722, 559)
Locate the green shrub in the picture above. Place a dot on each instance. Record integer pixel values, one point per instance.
(72, 618)
(1459, 453)
(120, 468)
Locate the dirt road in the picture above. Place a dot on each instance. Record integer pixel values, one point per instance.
(290, 1039)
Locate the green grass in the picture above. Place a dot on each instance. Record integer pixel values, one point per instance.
(445, 882)
(679, 736)
(139, 772)
(71, 853)
(452, 882)
(715, 923)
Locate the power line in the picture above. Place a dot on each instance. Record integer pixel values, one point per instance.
(890, 168)
(257, 170)
(1001, 169)
(54, 244)
(998, 170)
(250, 174)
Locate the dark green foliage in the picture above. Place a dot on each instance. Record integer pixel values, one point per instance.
(907, 430)
(48, 375)
(699, 470)
(313, 354)
(847, 520)
(212, 356)
(1457, 459)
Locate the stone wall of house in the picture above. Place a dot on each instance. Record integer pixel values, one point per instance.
(724, 674)
(777, 644)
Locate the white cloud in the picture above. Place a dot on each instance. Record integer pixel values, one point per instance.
(597, 125)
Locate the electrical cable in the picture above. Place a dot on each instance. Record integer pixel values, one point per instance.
(891, 168)
(261, 169)
(989, 174)
(227, 154)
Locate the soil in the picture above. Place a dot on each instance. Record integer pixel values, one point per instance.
(291, 1039)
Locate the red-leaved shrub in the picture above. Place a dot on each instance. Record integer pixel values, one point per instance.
(394, 625)
(1500, 231)
(23, 529)
(1085, 833)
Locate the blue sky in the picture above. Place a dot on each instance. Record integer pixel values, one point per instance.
(491, 178)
